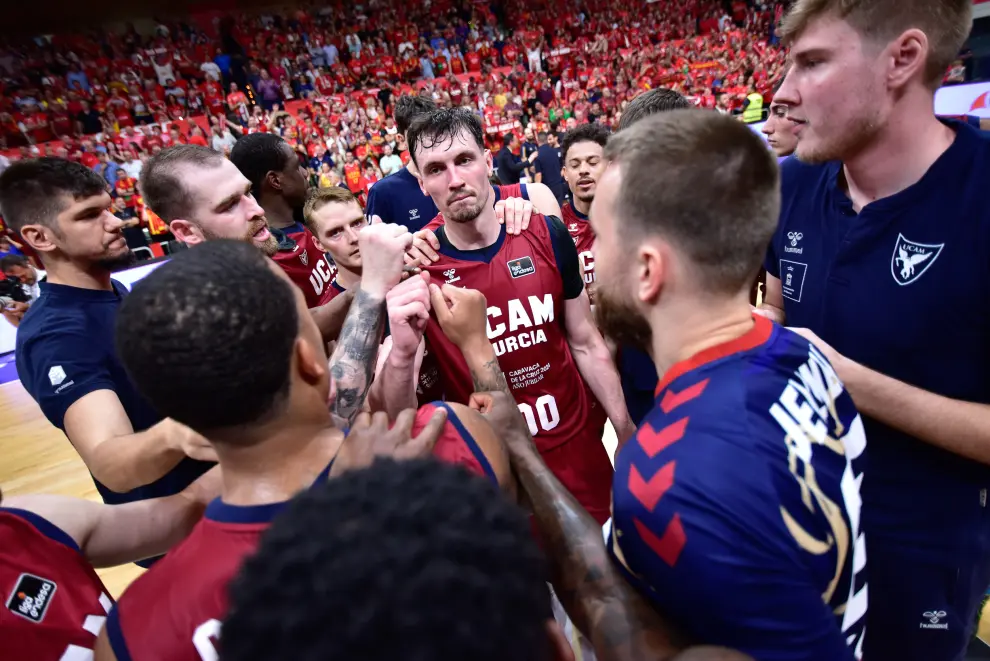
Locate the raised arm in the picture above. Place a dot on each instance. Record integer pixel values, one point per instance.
(621, 624)
(543, 199)
(353, 362)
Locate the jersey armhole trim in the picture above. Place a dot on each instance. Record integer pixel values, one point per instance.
(523, 191)
(115, 634)
(469, 441)
(45, 527)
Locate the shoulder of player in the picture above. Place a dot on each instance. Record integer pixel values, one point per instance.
(193, 570)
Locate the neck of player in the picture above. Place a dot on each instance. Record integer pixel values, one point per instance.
(286, 459)
(84, 276)
(903, 150)
(278, 212)
(701, 324)
(347, 278)
(580, 205)
(479, 233)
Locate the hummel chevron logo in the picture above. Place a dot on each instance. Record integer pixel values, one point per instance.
(669, 546)
(672, 400)
(650, 492)
(653, 441)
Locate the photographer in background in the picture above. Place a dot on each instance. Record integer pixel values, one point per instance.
(18, 286)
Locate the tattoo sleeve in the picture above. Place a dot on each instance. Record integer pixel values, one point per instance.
(620, 623)
(486, 375)
(353, 362)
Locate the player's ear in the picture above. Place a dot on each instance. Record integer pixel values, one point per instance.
(310, 365)
(560, 649)
(488, 161)
(652, 266)
(39, 237)
(186, 232)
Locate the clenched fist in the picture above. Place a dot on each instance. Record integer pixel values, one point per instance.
(383, 247)
(408, 305)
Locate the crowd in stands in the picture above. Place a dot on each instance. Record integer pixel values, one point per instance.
(111, 99)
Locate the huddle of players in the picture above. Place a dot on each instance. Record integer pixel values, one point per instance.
(268, 419)
(735, 506)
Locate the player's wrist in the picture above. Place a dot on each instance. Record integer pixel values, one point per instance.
(374, 289)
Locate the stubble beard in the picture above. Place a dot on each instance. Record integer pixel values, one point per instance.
(621, 322)
(846, 143)
(467, 215)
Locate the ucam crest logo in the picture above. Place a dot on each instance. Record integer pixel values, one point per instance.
(910, 259)
(304, 258)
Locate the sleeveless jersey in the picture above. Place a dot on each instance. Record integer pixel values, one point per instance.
(524, 289)
(584, 240)
(307, 266)
(173, 611)
(54, 604)
(737, 505)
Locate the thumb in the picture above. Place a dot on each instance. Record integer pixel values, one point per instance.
(452, 293)
(481, 402)
(440, 306)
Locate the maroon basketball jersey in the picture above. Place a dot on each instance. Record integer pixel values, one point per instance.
(54, 603)
(525, 294)
(584, 240)
(307, 266)
(173, 611)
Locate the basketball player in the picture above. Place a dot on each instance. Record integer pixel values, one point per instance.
(279, 184)
(372, 577)
(202, 196)
(540, 322)
(246, 367)
(398, 198)
(750, 463)
(65, 353)
(882, 240)
(55, 604)
(582, 151)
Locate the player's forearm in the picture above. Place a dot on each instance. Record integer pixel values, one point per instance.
(142, 529)
(951, 424)
(486, 375)
(124, 463)
(394, 389)
(595, 364)
(353, 362)
(330, 318)
(619, 622)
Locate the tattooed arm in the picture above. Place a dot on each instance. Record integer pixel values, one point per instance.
(330, 318)
(353, 362)
(619, 622)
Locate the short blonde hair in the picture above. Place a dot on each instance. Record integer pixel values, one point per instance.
(946, 23)
(320, 197)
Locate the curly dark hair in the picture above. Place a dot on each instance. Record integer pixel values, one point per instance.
(411, 561)
(441, 127)
(593, 132)
(207, 338)
(35, 190)
(408, 108)
(651, 102)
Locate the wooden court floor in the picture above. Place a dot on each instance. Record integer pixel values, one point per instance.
(35, 457)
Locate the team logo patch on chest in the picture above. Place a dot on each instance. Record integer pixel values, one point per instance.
(31, 597)
(910, 259)
(304, 258)
(522, 266)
